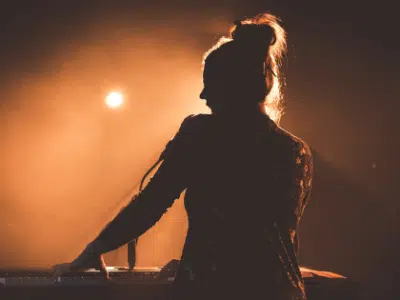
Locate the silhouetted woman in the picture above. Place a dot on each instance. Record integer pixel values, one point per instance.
(247, 180)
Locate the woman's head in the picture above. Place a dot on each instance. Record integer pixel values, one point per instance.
(242, 70)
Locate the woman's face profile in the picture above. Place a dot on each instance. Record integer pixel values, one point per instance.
(216, 90)
(205, 93)
(225, 91)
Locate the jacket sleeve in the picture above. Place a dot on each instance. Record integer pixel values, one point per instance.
(296, 184)
(148, 206)
(296, 191)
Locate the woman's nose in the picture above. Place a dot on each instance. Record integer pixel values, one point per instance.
(203, 94)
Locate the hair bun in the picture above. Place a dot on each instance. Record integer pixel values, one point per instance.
(260, 34)
(237, 23)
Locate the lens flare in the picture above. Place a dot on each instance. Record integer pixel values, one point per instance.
(114, 99)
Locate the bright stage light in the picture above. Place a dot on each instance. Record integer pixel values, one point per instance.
(114, 99)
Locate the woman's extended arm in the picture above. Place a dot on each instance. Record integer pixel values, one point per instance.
(147, 207)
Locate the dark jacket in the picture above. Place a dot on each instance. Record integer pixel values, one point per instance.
(247, 183)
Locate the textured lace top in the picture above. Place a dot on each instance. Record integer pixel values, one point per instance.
(247, 183)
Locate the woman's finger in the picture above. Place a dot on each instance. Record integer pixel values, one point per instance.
(61, 269)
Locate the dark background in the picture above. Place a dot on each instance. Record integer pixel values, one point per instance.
(61, 56)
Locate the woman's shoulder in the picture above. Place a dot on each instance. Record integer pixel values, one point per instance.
(296, 143)
(198, 118)
(196, 123)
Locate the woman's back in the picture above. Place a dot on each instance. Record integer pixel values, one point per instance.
(242, 178)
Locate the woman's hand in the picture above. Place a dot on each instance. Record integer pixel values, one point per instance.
(88, 259)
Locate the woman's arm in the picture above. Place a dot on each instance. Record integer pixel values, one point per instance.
(147, 207)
